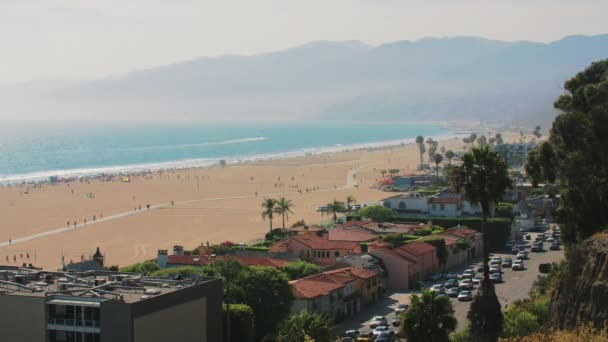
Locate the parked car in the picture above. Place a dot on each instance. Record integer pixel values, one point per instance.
(495, 269)
(523, 255)
(555, 246)
(465, 296)
(439, 288)
(453, 292)
(518, 248)
(366, 337)
(321, 209)
(385, 336)
(466, 284)
(378, 321)
(499, 259)
(481, 268)
(396, 322)
(496, 277)
(469, 273)
(401, 308)
(544, 268)
(436, 277)
(352, 333)
(507, 262)
(451, 275)
(380, 329)
(451, 283)
(551, 240)
(536, 247)
(518, 265)
(494, 263)
(477, 279)
(510, 244)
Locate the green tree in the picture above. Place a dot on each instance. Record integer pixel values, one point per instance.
(393, 172)
(269, 210)
(504, 209)
(429, 318)
(499, 140)
(298, 327)
(335, 208)
(283, 207)
(421, 148)
(144, 268)
(438, 158)
(519, 323)
(449, 154)
(577, 154)
(349, 201)
(300, 269)
(377, 213)
(537, 132)
(482, 140)
(229, 269)
(267, 291)
(482, 179)
(433, 145)
(472, 138)
(442, 250)
(243, 322)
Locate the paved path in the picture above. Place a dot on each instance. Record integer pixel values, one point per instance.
(350, 182)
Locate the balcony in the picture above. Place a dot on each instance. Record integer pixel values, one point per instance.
(66, 324)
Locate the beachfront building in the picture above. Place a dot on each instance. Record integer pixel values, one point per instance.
(338, 293)
(444, 204)
(107, 307)
(317, 249)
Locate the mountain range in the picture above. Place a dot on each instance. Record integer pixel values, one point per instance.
(429, 79)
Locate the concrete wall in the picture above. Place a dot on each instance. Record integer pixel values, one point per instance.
(22, 318)
(183, 322)
(409, 204)
(116, 322)
(397, 269)
(448, 210)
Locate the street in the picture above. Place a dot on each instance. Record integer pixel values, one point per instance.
(515, 285)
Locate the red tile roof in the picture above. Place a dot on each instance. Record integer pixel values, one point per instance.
(188, 260)
(316, 242)
(310, 288)
(379, 244)
(418, 248)
(261, 261)
(355, 223)
(461, 231)
(392, 253)
(341, 234)
(304, 229)
(205, 260)
(449, 240)
(353, 271)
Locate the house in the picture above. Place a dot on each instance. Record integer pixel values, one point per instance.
(411, 202)
(397, 267)
(343, 234)
(381, 228)
(366, 262)
(424, 257)
(456, 256)
(445, 203)
(317, 249)
(337, 293)
(306, 229)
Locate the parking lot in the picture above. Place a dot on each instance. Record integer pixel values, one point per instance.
(515, 285)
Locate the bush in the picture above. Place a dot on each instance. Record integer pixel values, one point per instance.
(241, 322)
(518, 322)
(585, 333)
(227, 244)
(396, 239)
(220, 249)
(377, 213)
(423, 232)
(300, 269)
(462, 335)
(144, 268)
(184, 271)
(442, 250)
(504, 209)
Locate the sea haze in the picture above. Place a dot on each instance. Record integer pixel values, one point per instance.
(36, 152)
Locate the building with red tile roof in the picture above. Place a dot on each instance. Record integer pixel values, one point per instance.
(397, 267)
(424, 255)
(343, 234)
(318, 249)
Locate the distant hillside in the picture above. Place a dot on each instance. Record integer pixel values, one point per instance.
(433, 78)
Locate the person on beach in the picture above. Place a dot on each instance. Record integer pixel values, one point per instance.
(10, 242)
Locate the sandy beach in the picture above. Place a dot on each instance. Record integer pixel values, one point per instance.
(210, 204)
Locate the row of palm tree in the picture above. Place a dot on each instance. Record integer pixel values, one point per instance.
(338, 207)
(271, 206)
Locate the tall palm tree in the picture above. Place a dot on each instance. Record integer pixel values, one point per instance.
(429, 318)
(421, 147)
(383, 172)
(283, 207)
(335, 208)
(449, 154)
(438, 158)
(268, 211)
(482, 179)
(349, 200)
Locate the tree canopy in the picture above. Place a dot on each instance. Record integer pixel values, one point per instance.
(576, 154)
(305, 325)
(377, 213)
(429, 318)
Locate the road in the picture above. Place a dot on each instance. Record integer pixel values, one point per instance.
(516, 285)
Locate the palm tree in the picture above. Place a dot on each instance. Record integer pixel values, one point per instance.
(429, 318)
(268, 206)
(393, 172)
(335, 208)
(482, 179)
(450, 155)
(438, 158)
(499, 139)
(383, 172)
(349, 200)
(304, 325)
(283, 207)
(421, 148)
(537, 132)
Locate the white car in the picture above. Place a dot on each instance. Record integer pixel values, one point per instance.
(380, 329)
(550, 240)
(495, 269)
(401, 308)
(518, 265)
(439, 288)
(477, 279)
(378, 321)
(496, 258)
(522, 255)
(466, 284)
(465, 296)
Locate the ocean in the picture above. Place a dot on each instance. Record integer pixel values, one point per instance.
(38, 151)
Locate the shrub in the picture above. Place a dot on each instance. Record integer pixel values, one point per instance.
(504, 209)
(300, 269)
(144, 268)
(227, 244)
(518, 322)
(423, 232)
(377, 213)
(241, 322)
(396, 239)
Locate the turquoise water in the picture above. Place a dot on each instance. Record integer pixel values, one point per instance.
(37, 151)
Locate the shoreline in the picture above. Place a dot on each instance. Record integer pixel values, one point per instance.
(44, 177)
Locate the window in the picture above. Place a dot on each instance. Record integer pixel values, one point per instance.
(402, 205)
(441, 206)
(387, 204)
(434, 206)
(337, 253)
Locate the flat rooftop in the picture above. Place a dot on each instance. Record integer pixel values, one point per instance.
(93, 286)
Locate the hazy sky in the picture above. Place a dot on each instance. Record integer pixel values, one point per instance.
(92, 38)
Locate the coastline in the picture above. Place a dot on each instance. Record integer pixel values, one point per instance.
(142, 169)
